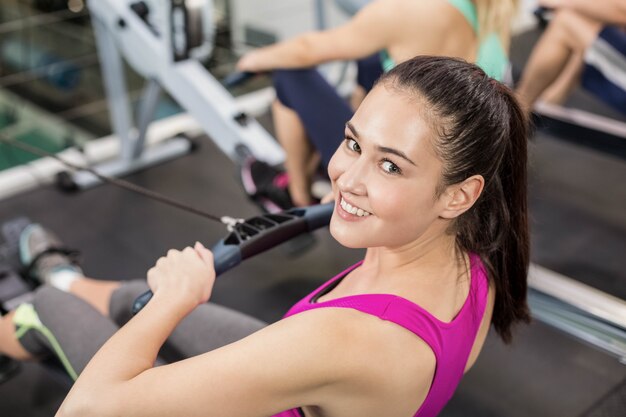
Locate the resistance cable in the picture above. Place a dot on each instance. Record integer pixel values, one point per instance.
(230, 222)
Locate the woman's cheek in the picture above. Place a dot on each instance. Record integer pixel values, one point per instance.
(333, 167)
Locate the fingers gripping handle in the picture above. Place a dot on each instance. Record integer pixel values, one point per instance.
(224, 258)
(257, 235)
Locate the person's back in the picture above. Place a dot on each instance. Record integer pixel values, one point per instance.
(445, 32)
(451, 29)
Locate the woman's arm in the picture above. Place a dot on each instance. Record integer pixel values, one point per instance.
(607, 11)
(369, 31)
(180, 282)
(298, 361)
(293, 362)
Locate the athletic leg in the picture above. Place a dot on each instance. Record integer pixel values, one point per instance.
(322, 111)
(95, 292)
(9, 343)
(68, 327)
(56, 323)
(208, 327)
(368, 71)
(569, 78)
(291, 135)
(568, 34)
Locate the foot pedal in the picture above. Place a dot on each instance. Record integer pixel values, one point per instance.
(8, 368)
(13, 288)
(10, 246)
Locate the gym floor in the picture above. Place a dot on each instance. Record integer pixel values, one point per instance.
(577, 201)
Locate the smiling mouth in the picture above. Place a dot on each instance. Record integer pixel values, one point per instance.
(352, 209)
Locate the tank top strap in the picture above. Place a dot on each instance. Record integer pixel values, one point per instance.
(437, 333)
(491, 55)
(409, 315)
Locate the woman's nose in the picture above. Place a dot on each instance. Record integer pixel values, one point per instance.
(354, 177)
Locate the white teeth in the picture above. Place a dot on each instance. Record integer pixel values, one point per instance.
(353, 210)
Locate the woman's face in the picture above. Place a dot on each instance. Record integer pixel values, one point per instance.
(385, 175)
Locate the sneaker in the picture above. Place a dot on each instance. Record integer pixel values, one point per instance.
(266, 185)
(42, 253)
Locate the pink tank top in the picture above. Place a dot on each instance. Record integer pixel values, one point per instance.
(450, 342)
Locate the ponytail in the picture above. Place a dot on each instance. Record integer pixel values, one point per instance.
(495, 16)
(506, 252)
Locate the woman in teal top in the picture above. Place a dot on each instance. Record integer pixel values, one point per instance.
(309, 115)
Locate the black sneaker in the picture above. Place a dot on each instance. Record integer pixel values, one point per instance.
(266, 185)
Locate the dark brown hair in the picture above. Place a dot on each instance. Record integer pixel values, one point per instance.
(481, 130)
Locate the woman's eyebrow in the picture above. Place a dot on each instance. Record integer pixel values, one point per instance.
(383, 149)
(401, 154)
(352, 129)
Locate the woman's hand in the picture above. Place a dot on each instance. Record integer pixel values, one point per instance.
(250, 62)
(186, 276)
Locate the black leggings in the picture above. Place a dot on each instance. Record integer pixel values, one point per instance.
(79, 330)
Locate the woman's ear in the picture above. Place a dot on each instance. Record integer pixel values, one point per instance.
(460, 197)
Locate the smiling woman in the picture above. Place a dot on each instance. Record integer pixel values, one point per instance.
(431, 180)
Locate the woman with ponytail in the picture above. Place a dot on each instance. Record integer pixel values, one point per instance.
(430, 180)
(309, 114)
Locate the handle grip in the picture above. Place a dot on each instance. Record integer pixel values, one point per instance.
(258, 234)
(224, 258)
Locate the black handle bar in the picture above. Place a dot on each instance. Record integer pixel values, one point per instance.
(258, 234)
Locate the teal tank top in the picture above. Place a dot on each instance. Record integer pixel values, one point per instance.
(492, 57)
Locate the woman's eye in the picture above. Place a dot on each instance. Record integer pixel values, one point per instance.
(353, 145)
(390, 167)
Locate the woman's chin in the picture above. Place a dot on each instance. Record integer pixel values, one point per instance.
(347, 236)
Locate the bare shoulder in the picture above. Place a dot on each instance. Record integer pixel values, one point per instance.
(427, 11)
(426, 27)
(371, 358)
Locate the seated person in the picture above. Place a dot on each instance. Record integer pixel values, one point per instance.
(585, 38)
(309, 115)
(431, 180)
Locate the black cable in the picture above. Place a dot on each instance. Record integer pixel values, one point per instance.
(115, 181)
